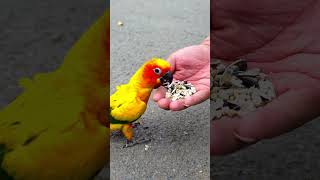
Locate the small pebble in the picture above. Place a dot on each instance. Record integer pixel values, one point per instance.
(146, 147)
(120, 23)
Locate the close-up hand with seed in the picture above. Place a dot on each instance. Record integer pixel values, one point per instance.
(283, 50)
(237, 90)
(191, 68)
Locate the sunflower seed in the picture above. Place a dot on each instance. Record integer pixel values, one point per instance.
(242, 65)
(251, 72)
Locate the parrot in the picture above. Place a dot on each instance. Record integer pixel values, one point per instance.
(57, 127)
(129, 102)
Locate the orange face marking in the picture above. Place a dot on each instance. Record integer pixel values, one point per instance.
(153, 70)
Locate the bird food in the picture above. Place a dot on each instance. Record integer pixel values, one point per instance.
(237, 90)
(179, 90)
(120, 23)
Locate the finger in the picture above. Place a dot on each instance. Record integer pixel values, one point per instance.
(172, 60)
(164, 103)
(195, 99)
(223, 139)
(159, 94)
(289, 111)
(291, 80)
(198, 97)
(177, 105)
(296, 63)
(283, 114)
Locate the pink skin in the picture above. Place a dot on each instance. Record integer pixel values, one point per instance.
(192, 64)
(282, 38)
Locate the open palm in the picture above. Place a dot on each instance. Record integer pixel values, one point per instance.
(193, 65)
(281, 38)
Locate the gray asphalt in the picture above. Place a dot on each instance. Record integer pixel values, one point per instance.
(35, 35)
(180, 140)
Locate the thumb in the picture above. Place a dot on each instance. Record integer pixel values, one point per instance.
(172, 60)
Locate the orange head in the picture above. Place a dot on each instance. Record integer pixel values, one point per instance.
(156, 72)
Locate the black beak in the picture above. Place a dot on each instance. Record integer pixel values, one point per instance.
(166, 79)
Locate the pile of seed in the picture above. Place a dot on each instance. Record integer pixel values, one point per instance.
(179, 90)
(237, 90)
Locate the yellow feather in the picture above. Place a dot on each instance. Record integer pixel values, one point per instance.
(52, 129)
(125, 103)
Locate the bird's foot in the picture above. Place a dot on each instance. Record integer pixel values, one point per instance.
(140, 123)
(136, 124)
(135, 142)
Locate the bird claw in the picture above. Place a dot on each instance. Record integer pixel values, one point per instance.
(134, 125)
(135, 142)
(143, 140)
(129, 144)
(137, 124)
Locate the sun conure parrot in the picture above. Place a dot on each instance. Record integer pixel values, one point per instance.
(130, 100)
(57, 128)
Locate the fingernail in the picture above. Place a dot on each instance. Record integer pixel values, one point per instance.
(247, 140)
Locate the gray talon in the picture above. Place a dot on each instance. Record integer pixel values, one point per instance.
(135, 142)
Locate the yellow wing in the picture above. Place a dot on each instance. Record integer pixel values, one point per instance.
(125, 105)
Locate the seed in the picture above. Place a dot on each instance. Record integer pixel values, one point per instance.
(237, 90)
(242, 65)
(179, 90)
(120, 23)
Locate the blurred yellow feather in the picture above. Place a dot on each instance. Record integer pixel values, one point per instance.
(56, 129)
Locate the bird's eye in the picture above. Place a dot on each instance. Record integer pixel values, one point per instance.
(157, 70)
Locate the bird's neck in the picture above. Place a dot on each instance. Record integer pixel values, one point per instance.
(141, 87)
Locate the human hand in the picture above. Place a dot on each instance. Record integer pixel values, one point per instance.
(193, 65)
(281, 38)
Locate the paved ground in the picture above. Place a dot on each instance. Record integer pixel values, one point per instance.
(35, 35)
(179, 148)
